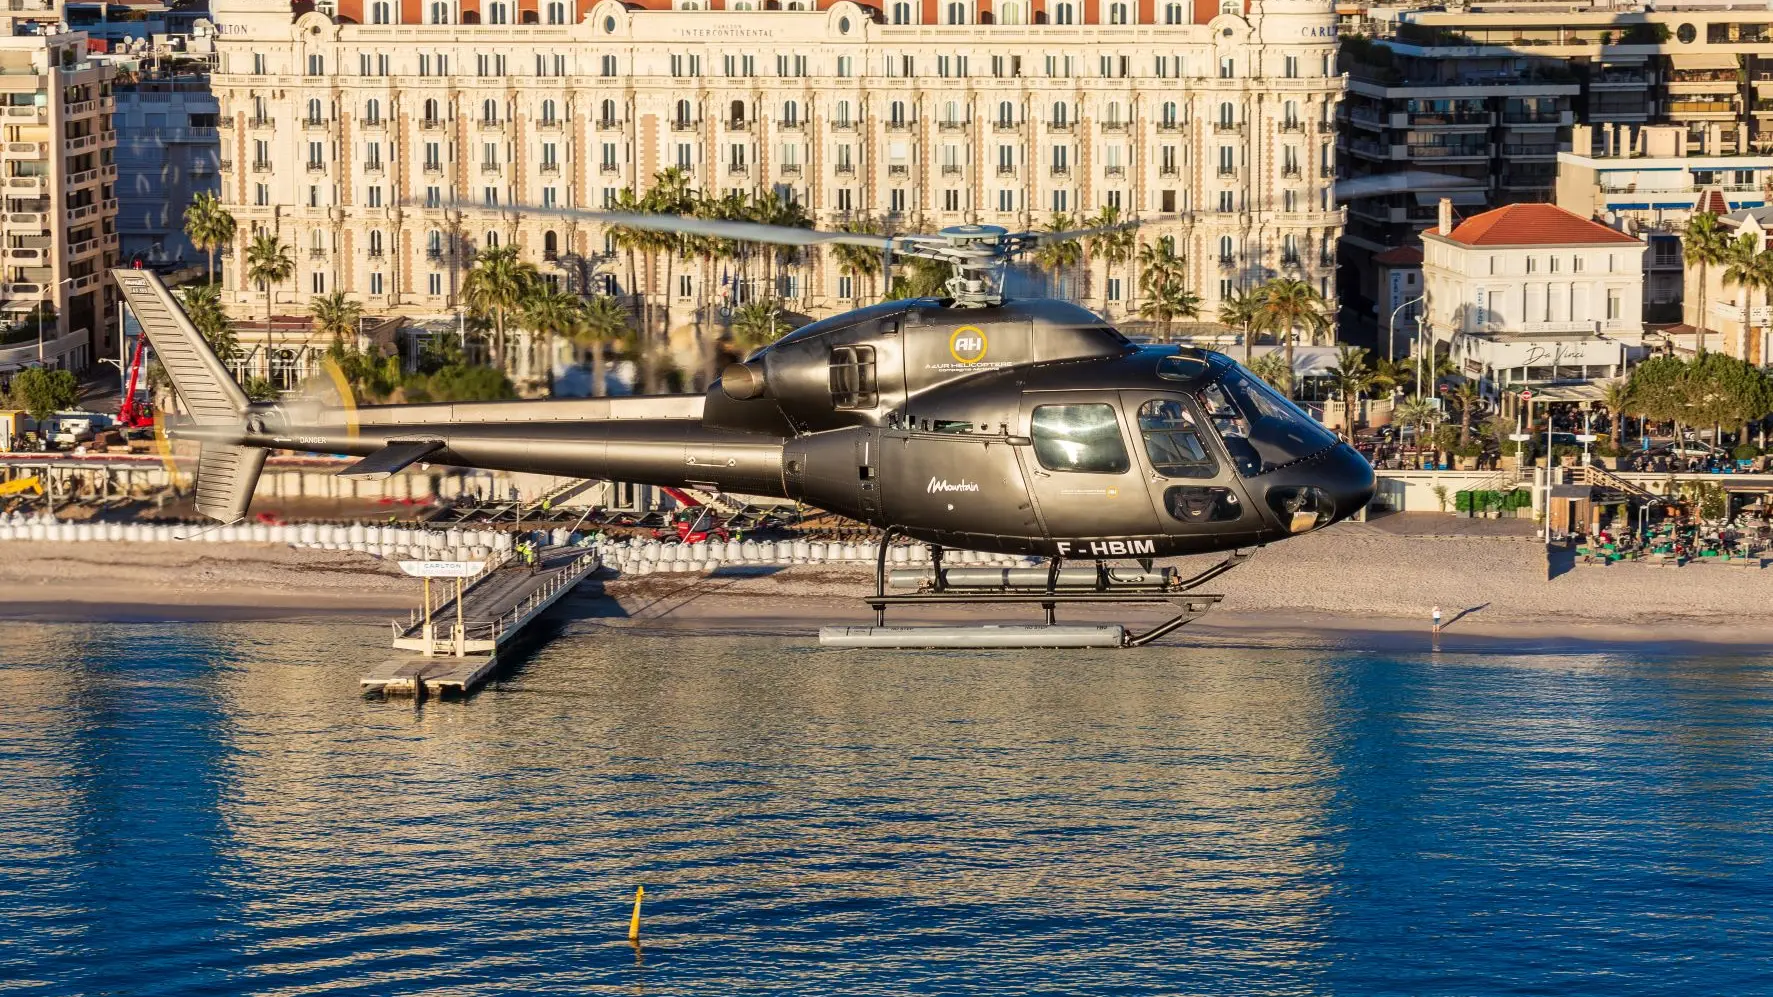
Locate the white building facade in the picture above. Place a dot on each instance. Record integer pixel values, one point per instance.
(1530, 295)
(388, 141)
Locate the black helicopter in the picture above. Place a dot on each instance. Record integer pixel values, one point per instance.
(970, 421)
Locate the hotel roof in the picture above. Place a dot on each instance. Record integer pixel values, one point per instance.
(1534, 225)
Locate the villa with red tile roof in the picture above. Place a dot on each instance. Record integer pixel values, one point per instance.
(1531, 295)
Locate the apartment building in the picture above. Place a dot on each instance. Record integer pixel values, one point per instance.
(387, 141)
(1627, 116)
(59, 223)
(169, 150)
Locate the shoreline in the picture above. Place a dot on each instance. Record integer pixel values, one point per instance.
(1351, 587)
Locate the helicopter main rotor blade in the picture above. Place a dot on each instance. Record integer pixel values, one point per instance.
(1042, 238)
(718, 228)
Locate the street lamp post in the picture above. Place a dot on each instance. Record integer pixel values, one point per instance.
(1391, 328)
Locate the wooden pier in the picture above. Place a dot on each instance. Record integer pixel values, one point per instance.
(495, 608)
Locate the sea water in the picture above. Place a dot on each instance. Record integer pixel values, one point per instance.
(213, 809)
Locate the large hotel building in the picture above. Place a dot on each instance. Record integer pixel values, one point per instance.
(385, 140)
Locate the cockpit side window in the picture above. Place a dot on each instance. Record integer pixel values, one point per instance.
(1173, 440)
(1261, 430)
(1081, 438)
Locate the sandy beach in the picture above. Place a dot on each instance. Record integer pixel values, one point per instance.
(1350, 584)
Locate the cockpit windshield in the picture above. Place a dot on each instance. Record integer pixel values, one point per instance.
(1261, 429)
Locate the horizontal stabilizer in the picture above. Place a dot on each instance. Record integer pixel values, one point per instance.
(394, 457)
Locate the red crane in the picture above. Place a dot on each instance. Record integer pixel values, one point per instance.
(134, 413)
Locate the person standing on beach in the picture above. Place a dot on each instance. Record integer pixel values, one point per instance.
(1437, 619)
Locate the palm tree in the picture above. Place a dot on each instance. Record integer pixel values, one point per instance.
(1703, 246)
(1288, 306)
(629, 241)
(1241, 311)
(1167, 302)
(335, 315)
(1393, 375)
(499, 281)
(1350, 377)
(1058, 256)
(858, 260)
(600, 322)
(1272, 367)
(268, 263)
(1158, 263)
(671, 195)
(1114, 247)
(202, 304)
(1417, 412)
(1467, 397)
(548, 314)
(208, 225)
(757, 324)
(1744, 268)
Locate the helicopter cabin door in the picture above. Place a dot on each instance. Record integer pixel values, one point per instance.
(1087, 484)
(1192, 485)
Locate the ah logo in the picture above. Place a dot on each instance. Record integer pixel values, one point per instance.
(967, 344)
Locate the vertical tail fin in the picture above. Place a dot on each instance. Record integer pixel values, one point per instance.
(226, 473)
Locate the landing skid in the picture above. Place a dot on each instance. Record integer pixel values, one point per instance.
(1177, 592)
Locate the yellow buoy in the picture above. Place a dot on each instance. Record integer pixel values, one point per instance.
(634, 922)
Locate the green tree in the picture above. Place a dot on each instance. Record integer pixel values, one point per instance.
(1167, 302)
(1060, 256)
(757, 324)
(1392, 376)
(1273, 368)
(1704, 246)
(497, 285)
(1242, 310)
(208, 225)
(922, 278)
(268, 263)
(1616, 397)
(601, 322)
(202, 304)
(1467, 397)
(42, 392)
(1660, 390)
(551, 315)
(859, 261)
(461, 383)
(670, 195)
(1350, 377)
(1417, 414)
(336, 316)
(1289, 306)
(1115, 247)
(1752, 270)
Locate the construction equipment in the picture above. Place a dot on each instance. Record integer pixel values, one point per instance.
(135, 412)
(19, 486)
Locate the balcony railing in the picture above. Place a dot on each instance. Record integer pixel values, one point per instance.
(373, 124)
(490, 167)
(1006, 126)
(608, 124)
(316, 253)
(1228, 171)
(488, 124)
(433, 168)
(225, 165)
(316, 166)
(789, 169)
(1113, 127)
(1114, 171)
(1005, 170)
(608, 169)
(1226, 262)
(430, 124)
(1060, 171)
(1167, 172)
(1290, 172)
(261, 166)
(260, 123)
(898, 126)
(1293, 126)
(551, 125)
(372, 166)
(683, 124)
(550, 169)
(1063, 127)
(738, 169)
(1169, 126)
(791, 126)
(1227, 128)
(739, 125)
(953, 126)
(314, 124)
(846, 125)
(846, 169)
(898, 170)
(951, 169)
(375, 254)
